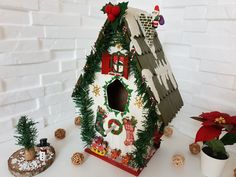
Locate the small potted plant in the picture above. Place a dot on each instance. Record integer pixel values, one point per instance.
(217, 130)
(26, 136)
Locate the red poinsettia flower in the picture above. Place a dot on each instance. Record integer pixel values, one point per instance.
(207, 133)
(214, 123)
(217, 118)
(233, 120)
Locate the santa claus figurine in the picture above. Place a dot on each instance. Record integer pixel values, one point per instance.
(157, 18)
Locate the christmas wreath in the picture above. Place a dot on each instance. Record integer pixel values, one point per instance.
(116, 122)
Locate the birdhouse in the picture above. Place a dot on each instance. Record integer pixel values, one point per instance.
(127, 91)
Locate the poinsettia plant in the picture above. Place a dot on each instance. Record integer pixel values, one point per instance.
(115, 13)
(217, 130)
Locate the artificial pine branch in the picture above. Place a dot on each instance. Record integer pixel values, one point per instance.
(26, 132)
(81, 92)
(150, 123)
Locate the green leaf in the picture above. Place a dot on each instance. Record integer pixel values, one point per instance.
(123, 7)
(229, 139)
(217, 146)
(103, 8)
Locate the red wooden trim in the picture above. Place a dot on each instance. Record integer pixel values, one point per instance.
(115, 163)
(126, 67)
(128, 169)
(105, 63)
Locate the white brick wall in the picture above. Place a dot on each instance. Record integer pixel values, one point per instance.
(199, 39)
(43, 44)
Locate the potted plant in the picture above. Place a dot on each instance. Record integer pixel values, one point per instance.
(217, 130)
(26, 136)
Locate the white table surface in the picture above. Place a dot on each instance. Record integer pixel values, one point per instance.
(159, 166)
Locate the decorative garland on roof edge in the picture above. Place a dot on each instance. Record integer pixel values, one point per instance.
(145, 137)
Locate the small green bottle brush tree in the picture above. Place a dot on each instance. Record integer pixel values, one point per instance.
(26, 136)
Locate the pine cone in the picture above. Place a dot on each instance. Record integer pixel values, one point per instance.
(77, 158)
(60, 133)
(235, 172)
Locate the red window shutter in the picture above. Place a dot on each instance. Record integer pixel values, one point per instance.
(126, 67)
(105, 63)
(115, 60)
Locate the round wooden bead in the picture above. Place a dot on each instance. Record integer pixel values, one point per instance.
(77, 158)
(60, 133)
(178, 160)
(194, 148)
(168, 131)
(77, 121)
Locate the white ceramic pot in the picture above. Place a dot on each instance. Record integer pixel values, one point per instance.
(210, 166)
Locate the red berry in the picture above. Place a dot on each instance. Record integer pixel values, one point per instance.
(111, 17)
(108, 8)
(115, 10)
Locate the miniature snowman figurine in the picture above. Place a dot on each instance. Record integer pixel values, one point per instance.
(43, 149)
(157, 18)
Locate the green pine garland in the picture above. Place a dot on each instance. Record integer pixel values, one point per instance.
(81, 92)
(150, 123)
(26, 132)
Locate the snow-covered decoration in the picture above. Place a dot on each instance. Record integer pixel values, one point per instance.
(18, 165)
(117, 48)
(163, 69)
(164, 73)
(132, 17)
(145, 22)
(147, 74)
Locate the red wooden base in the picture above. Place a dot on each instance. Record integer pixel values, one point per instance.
(126, 168)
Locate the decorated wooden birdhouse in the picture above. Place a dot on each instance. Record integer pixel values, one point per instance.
(127, 92)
